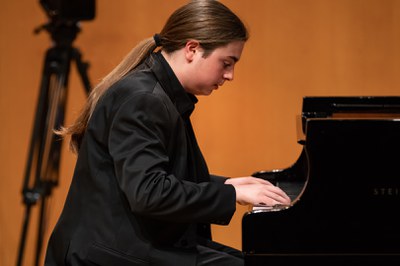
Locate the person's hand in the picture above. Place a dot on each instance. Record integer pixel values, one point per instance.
(257, 191)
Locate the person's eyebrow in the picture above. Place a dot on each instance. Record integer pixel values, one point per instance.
(234, 58)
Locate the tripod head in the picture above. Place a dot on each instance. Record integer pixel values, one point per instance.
(63, 34)
(64, 18)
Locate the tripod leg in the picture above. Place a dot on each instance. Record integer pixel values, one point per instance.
(30, 192)
(23, 235)
(44, 154)
(41, 231)
(82, 69)
(51, 146)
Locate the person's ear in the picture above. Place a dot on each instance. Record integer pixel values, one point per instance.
(191, 49)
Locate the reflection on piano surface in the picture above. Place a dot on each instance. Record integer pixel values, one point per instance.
(345, 188)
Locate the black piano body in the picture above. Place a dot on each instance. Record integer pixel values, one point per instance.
(345, 188)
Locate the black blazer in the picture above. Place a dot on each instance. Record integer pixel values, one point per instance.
(141, 192)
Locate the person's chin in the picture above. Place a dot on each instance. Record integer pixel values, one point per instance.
(213, 89)
(206, 92)
(209, 92)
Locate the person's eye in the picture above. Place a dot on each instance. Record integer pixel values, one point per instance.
(227, 64)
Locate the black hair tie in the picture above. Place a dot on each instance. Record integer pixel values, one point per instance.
(157, 39)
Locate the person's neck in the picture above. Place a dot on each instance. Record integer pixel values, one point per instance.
(174, 60)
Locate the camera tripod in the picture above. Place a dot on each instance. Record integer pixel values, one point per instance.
(42, 168)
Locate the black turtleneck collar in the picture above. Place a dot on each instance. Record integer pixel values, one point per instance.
(183, 101)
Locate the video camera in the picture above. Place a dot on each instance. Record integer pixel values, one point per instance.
(69, 10)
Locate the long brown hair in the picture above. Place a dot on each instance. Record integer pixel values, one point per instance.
(207, 21)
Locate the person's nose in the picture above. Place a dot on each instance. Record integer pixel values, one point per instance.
(228, 75)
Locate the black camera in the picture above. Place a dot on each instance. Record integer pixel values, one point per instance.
(69, 10)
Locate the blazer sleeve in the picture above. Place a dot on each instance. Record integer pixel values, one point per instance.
(218, 178)
(137, 143)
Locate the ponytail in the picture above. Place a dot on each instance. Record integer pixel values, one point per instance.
(130, 62)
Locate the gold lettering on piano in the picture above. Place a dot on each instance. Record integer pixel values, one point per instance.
(386, 191)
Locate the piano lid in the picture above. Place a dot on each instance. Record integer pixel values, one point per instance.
(329, 106)
(361, 107)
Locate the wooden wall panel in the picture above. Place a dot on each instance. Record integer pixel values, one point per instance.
(297, 48)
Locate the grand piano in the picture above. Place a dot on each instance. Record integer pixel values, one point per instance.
(345, 189)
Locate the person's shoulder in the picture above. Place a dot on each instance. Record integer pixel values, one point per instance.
(135, 82)
(136, 87)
